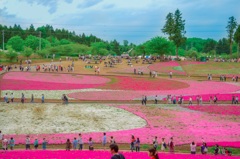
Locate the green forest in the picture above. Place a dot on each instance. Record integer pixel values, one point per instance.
(46, 41)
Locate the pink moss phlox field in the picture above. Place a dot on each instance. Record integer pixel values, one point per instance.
(184, 63)
(47, 81)
(56, 78)
(100, 154)
(195, 88)
(184, 126)
(222, 110)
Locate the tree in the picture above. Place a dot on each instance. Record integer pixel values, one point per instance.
(11, 54)
(16, 42)
(222, 46)
(232, 24)
(32, 42)
(237, 38)
(27, 52)
(158, 45)
(175, 29)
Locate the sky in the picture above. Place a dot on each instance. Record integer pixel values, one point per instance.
(134, 20)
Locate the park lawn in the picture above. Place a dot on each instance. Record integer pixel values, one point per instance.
(212, 68)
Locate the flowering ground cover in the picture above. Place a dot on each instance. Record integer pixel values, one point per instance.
(222, 110)
(61, 154)
(47, 81)
(203, 88)
(58, 118)
(146, 84)
(166, 121)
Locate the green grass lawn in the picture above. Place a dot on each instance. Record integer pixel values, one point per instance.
(212, 68)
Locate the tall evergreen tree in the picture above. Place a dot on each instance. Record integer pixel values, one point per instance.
(237, 38)
(232, 24)
(175, 29)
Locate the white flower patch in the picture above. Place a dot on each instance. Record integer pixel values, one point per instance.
(71, 118)
(48, 94)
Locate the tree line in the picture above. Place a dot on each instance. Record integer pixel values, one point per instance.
(46, 40)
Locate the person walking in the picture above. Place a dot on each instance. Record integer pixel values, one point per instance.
(112, 140)
(156, 101)
(35, 144)
(132, 145)
(32, 99)
(12, 143)
(44, 144)
(145, 100)
(137, 143)
(90, 143)
(22, 99)
(28, 143)
(155, 143)
(75, 143)
(80, 141)
(163, 145)
(190, 101)
(104, 141)
(171, 145)
(114, 151)
(12, 97)
(43, 98)
(68, 145)
(193, 148)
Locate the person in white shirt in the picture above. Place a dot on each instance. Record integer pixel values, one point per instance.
(190, 101)
(5, 144)
(193, 148)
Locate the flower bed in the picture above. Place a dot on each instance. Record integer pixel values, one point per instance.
(47, 81)
(223, 110)
(182, 124)
(61, 154)
(195, 88)
(131, 83)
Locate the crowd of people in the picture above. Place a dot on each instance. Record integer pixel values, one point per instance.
(135, 145)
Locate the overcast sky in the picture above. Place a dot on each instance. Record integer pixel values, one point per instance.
(134, 20)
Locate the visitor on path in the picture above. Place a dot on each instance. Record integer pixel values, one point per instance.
(22, 99)
(90, 144)
(215, 99)
(80, 141)
(112, 140)
(35, 144)
(145, 100)
(132, 144)
(12, 97)
(204, 148)
(5, 144)
(28, 143)
(12, 143)
(75, 143)
(171, 145)
(216, 150)
(32, 99)
(156, 100)
(200, 100)
(170, 74)
(1, 136)
(233, 99)
(174, 99)
(190, 101)
(236, 100)
(104, 141)
(44, 144)
(210, 100)
(6, 98)
(153, 153)
(193, 148)
(68, 145)
(137, 143)
(43, 98)
(114, 151)
(163, 145)
(155, 142)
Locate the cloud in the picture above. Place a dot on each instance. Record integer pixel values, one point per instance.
(89, 3)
